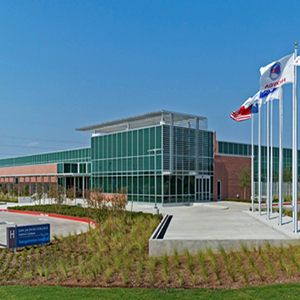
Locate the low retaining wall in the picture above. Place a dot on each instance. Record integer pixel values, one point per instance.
(160, 247)
(24, 200)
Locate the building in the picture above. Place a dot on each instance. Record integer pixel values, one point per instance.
(229, 160)
(160, 157)
(67, 168)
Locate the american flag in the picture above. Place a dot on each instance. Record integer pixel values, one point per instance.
(243, 113)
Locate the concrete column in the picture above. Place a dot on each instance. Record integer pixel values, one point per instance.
(65, 188)
(18, 186)
(43, 189)
(29, 186)
(49, 186)
(57, 187)
(83, 179)
(197, 147)
(75, 189)
(171, 145)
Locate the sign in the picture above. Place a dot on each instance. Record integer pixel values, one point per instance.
(21, 236)
(11, 237)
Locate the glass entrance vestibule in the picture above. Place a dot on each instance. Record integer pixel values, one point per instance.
(202, 188)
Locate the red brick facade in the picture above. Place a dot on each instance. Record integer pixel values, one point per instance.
(30, 170)
(226, 170)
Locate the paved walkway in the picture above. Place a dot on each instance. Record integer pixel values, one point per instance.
(213, 224)
(219, 220)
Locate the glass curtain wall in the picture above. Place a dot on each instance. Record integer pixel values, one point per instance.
(126, 160)
(72, 156)
(179, 186)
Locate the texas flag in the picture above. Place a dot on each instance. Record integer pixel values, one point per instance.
(244, 113)
(249, 107)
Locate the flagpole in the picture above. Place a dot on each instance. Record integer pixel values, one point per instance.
(280, 181)
(252, 161)
(268, 161)
(271, 171)
(259, 159)
(295, 147)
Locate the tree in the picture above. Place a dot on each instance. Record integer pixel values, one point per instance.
(87, 197)
(26, 190)
(60, 195)
(3, 189)
(102, 207)
(287, 175)
(39, 193)
(52, 194)
(245, 179)
(70, 193)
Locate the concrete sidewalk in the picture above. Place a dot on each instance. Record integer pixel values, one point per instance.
(287, 227)
(219, 220)
(215, 220)
(212, 224)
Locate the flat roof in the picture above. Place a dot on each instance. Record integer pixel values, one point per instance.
(46, 175)
(145, 120)
(43, 153)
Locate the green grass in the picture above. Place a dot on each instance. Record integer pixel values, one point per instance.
(59, 209)
(67, 210)
(286, 199)
(280, 291)
(240, 200)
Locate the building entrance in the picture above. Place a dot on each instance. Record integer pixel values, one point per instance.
(202, 188)
(219, 190)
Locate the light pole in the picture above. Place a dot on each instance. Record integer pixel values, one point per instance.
(155, 174)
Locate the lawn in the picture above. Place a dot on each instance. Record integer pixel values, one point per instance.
(280, 291)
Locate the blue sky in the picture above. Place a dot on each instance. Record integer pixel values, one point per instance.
(68, 64)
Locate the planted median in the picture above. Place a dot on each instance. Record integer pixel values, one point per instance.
(115, 253)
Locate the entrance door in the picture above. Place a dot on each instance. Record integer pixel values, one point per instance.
(202, 188)
(219, 190)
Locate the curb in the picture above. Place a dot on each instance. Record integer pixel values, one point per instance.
(276, 204)
(49, 215)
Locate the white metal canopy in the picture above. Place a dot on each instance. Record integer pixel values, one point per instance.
(145, 120)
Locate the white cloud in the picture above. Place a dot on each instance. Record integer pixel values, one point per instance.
(33, 144)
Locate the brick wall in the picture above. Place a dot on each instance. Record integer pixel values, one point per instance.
(227, 170)
(36, 169)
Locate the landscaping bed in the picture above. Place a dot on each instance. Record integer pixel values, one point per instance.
(115, 254)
